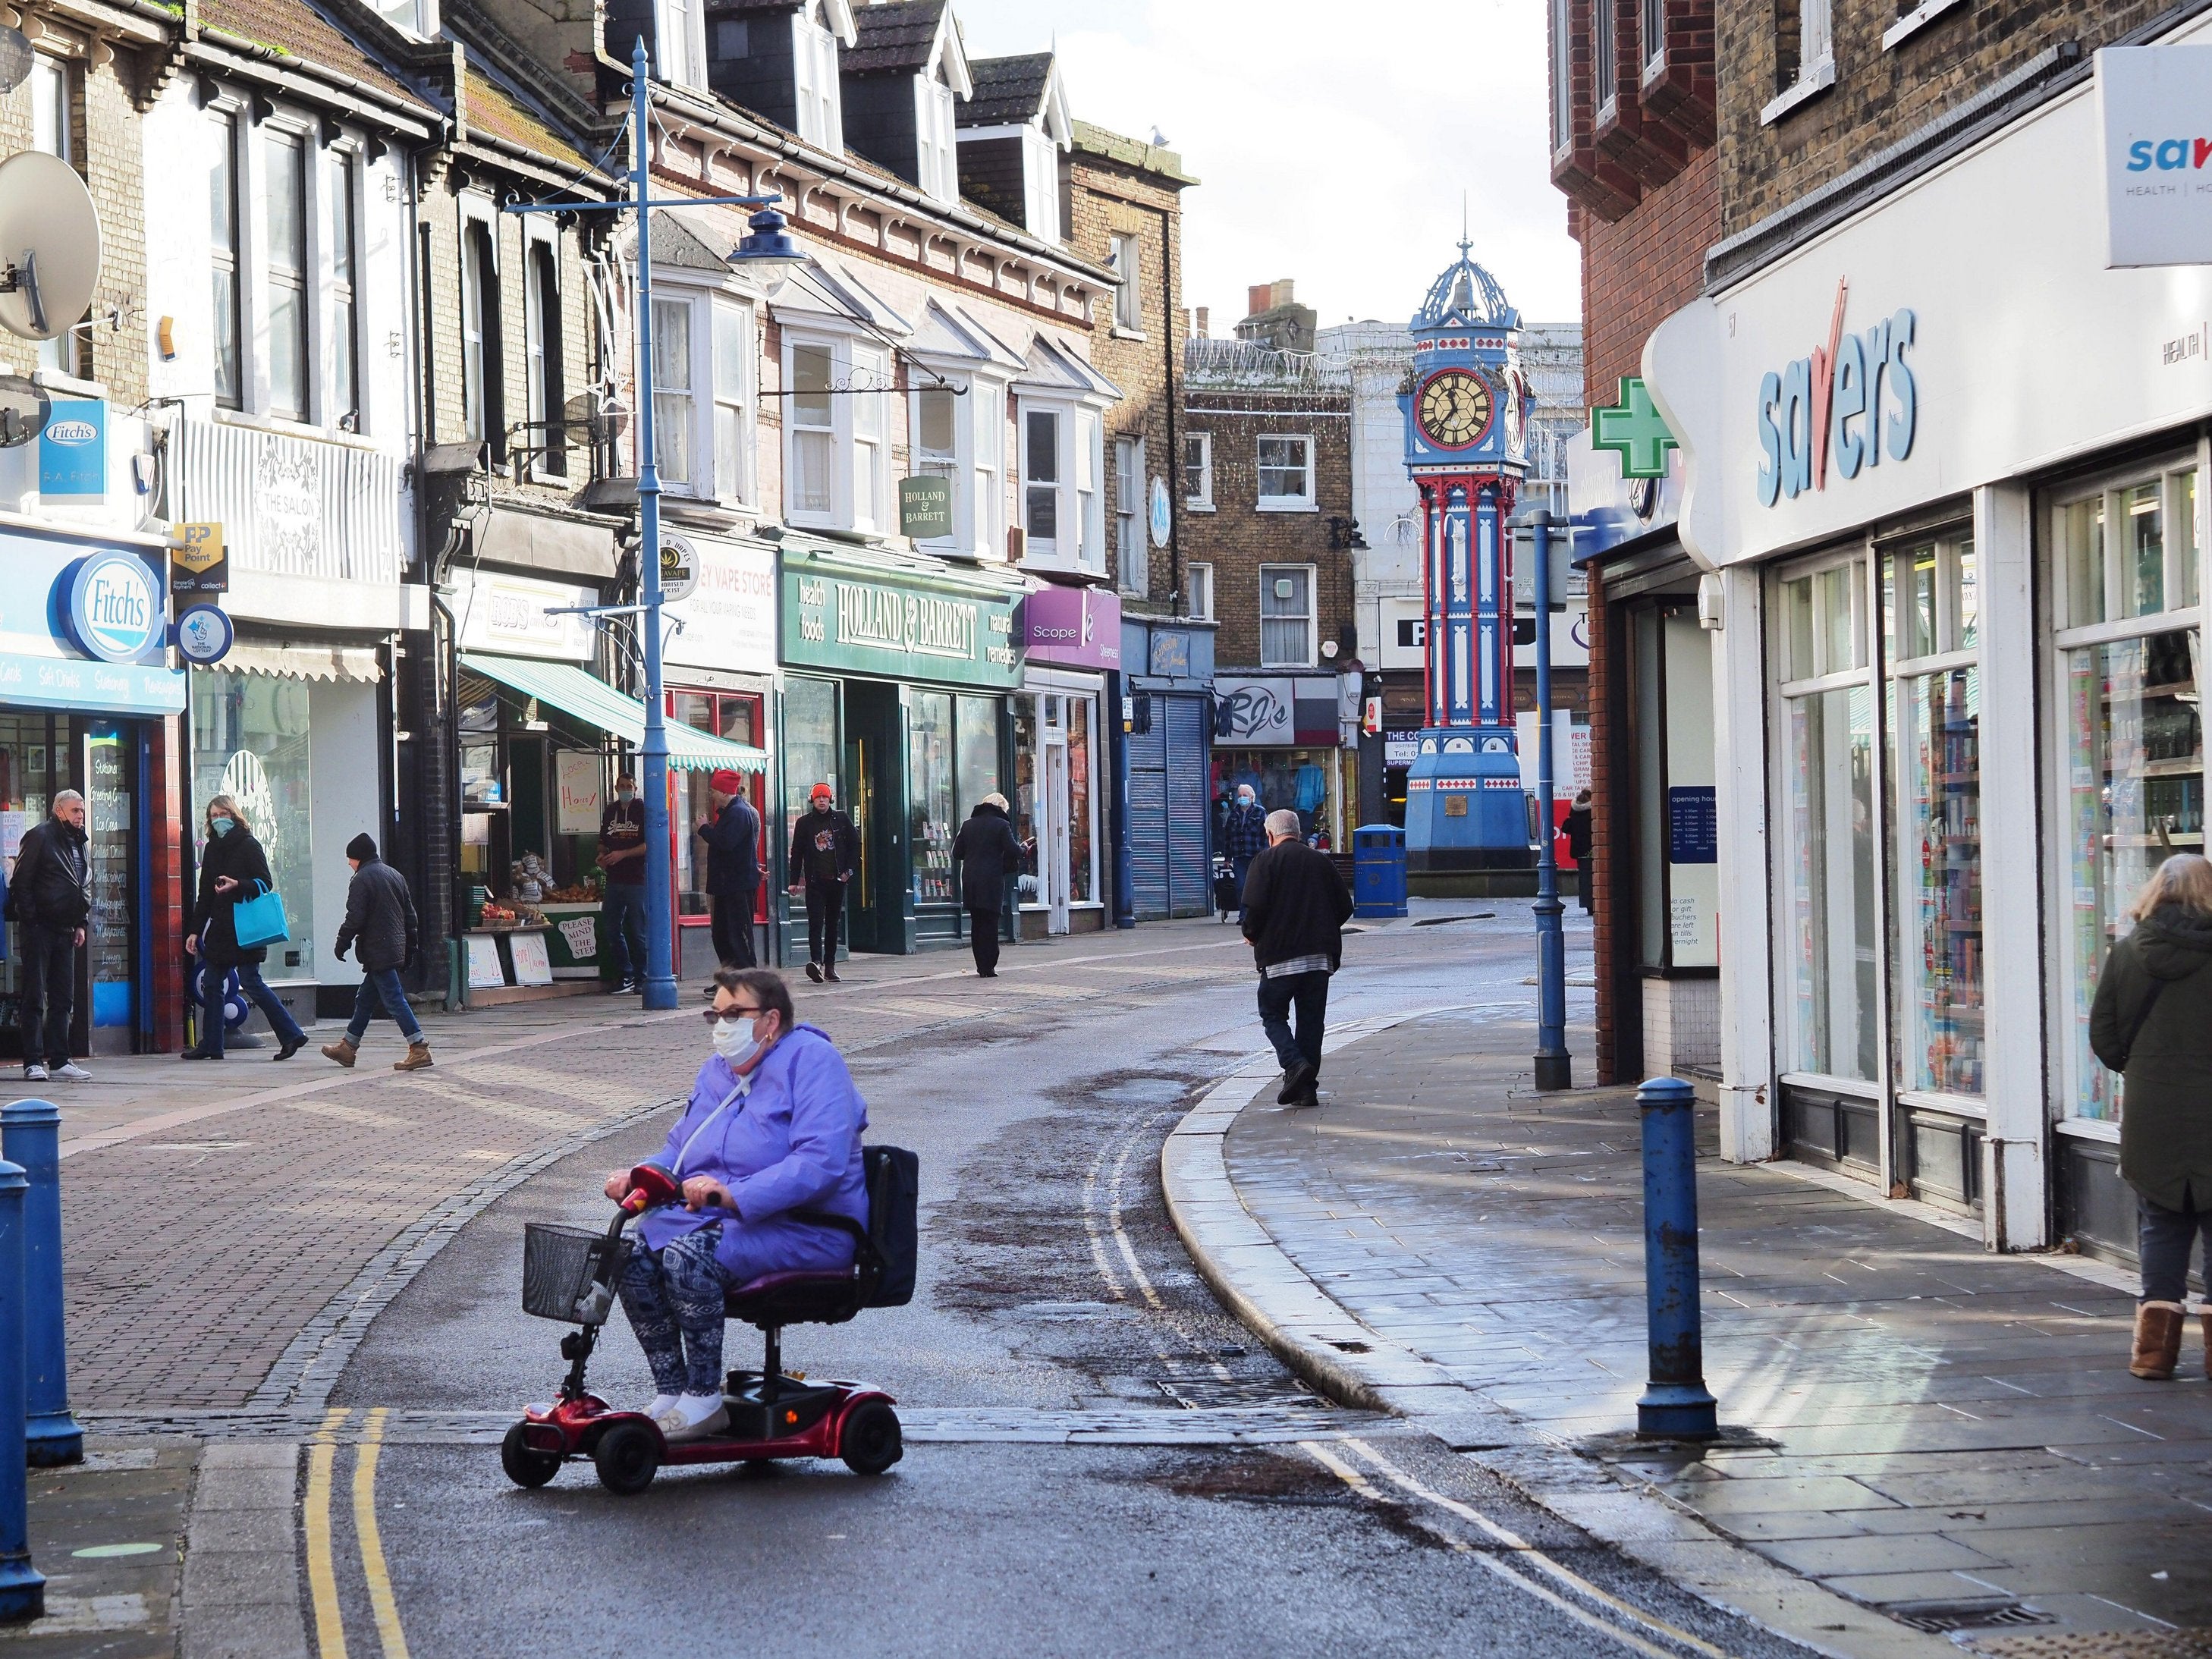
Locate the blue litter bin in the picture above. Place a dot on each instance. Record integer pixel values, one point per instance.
(1378, 871)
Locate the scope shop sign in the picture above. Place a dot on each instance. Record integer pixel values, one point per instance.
(875, 625)
(2154, 111)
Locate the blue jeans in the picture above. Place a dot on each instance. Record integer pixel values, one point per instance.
(257, 989)
(380, 993)
(2166, 1237)
(622, 915)
(1309, 994)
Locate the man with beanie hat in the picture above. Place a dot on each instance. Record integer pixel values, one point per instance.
(381, 914)
(825, 851)
(732, 833)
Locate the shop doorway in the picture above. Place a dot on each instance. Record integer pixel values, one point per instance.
(875, 904)
(1054, 871)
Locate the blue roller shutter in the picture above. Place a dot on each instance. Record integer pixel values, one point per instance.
(1148, 817)
(1188, 861)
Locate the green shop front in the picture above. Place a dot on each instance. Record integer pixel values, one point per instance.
(897, 670)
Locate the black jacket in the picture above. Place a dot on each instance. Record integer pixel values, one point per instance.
(1577, 831)
(381, 914)
(2166, 1131)
(1295, 905)
(733, 838)
(988, 854)
(823, 846)
(239, 856)
(52, 884)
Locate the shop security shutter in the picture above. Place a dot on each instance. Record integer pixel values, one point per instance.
(1148, 817)
(1190, 885)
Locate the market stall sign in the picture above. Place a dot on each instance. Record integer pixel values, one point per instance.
(1851, 399)
(831, 619)
(198, 562)
(925, 508)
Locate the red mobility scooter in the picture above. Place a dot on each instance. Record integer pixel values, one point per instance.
(569, 1273)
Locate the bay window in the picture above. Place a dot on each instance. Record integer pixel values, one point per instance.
(813, 432)
(837, 457)
(1040, 476)
(1063, 465)
(733, 385)
(937, 447)
(675, 410)
(703, 393)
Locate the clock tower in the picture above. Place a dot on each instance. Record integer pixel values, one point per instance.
(1465, 405)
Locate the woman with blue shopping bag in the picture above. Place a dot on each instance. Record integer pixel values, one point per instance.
(239, 915)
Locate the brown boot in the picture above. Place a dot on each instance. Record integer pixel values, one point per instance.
(342, 1051)
(418, 1056)
(2157, 1340)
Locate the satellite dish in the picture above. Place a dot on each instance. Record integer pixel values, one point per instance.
(14, 59)
(23, 410)
(49, 246)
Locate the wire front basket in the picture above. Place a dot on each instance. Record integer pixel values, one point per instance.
(561, 1265)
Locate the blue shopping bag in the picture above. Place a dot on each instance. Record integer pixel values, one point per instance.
(260, 919)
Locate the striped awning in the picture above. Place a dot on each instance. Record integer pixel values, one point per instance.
(595, 702)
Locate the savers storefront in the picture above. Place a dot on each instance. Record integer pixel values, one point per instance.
(897, 673)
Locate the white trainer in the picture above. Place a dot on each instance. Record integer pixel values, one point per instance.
(662, 1404)
(73, 1072)
(34, 1073)
(694, 1417)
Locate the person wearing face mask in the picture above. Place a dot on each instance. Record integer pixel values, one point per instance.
(1244, 837)
(773, 1127)
(231, 863)
(622, 861)
(825, 851)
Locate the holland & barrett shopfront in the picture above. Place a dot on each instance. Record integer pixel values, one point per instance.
(897, 672)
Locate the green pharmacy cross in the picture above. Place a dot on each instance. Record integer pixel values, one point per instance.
(1634, 428)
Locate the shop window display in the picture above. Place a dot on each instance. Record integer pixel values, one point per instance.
(737, 719)
(810, 746)
(1081, 889)
(2133, 773)
(930, 794)
(1301, 779)
(250, 741)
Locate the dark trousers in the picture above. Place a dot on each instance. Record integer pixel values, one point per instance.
(49, 975)
(732, 928)
(1309, 994)
(621, 919)
(825, 907)
(1240, 866)
(2166, 1237)
(984, 925)
(257, 990)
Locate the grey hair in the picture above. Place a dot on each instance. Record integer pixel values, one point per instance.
(66, 796)
(1284, 822)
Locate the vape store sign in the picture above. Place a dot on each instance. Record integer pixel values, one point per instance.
(1843, 407)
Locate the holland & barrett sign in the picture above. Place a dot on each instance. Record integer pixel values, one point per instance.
(905, 630)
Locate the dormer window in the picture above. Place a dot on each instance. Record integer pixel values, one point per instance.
(935, 150)
(1012, 131)
(814, 65)
(904, 77)
(680, 40)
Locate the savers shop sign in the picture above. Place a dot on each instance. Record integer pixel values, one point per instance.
(831, 619)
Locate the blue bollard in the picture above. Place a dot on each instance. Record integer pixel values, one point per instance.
(1676, 1403)
(31, 1135)
(22, 1587)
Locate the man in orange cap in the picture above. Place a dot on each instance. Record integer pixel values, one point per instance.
(825, 851)
(732, 833)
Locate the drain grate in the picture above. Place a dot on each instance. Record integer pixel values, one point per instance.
(1970, 1612)
(2097, 1645)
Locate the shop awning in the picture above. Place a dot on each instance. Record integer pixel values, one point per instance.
(595, 702)
(346, 664)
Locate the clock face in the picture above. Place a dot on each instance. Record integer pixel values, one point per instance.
(1455, 409)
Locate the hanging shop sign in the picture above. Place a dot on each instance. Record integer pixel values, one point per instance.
(1634, 430)
(729, 614)
(198, 563)
(519, 617)
(1077, 626)
(680, 570)
(72, 452)
(204, 635)
(925, 508)
(1850, 401)
(2151, 105)
(114, 609)
(837, 616)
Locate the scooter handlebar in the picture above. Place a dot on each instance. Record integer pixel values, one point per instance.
(650, 1186)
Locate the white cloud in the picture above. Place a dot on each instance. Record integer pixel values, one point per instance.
(1334, 140)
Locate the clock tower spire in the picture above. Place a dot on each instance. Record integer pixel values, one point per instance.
(1465, 406)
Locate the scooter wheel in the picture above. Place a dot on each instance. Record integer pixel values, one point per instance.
(627, 1458)
(870, 1442)
(525, 1464)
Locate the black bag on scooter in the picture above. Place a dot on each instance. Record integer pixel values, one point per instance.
(894, 1179)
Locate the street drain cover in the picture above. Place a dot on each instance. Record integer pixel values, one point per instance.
(1968, 1613)
(2096, 1644)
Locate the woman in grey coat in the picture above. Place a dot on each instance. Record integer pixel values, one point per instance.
(2152, 1022)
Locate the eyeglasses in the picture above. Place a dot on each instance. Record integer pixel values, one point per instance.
(725, 1014)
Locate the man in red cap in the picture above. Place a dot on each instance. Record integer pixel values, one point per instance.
(732, 833)
(825, 851)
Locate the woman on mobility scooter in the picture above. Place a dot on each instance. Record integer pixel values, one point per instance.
(773, 1125)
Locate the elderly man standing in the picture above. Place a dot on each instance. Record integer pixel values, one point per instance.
(732, 833)
(50, 899)
(1243, 834)
(1295, 908)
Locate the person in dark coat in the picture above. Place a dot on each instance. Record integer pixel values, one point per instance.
(1295, 908)
(622, 903)
(232, 863)
(825, 852)
(1577, 831)
(733, 838)
(988, 854)
(380, 916)
(2152, 1023)
(50, 898)
(1243, 835)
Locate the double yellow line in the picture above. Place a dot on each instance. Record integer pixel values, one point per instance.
(322, 1573)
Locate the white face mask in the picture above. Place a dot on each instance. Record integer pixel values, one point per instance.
(734, 1042)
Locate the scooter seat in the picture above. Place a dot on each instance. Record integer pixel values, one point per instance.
(795, 1298)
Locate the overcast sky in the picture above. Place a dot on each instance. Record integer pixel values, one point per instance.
(1334, 140)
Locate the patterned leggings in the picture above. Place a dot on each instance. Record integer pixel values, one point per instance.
(674, 1300)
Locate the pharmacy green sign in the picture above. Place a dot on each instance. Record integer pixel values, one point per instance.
(1634, 429)
(862, 620)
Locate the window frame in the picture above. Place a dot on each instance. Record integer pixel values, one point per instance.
(814, 82)
(301, 281)
(1198, 582)
(1128, 299)
(347, 292)
(483, 410)
(936, 138)
(227, 259)
(1310, 617)
(54, 129)
(544, 352)
(1132, 549)
(684, 23)
(848, 357)
(1200, 503)
(1263, 502)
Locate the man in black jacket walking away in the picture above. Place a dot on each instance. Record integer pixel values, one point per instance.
(1295, 908)
(825, 851)
(733, 838)
(381, 914)
(50, 897)
(988, 852)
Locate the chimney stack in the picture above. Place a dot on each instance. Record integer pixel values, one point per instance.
(1257, 298)
(1202, 334)
(1279, 293)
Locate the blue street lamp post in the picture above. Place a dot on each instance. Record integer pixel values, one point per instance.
(1555, 1065)
(766, 249)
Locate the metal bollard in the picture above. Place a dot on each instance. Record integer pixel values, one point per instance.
(1676, 1403)
(22, 1587)
(31, 1135)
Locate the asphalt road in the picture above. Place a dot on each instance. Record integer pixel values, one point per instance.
(1054, 1299)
